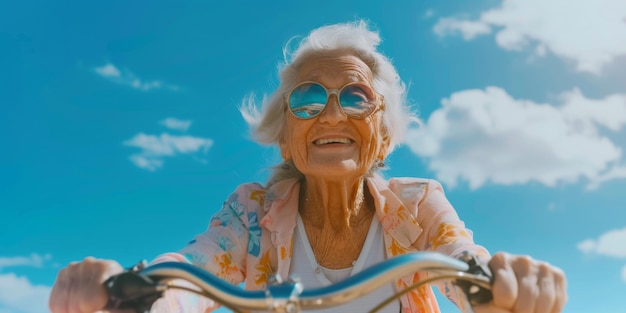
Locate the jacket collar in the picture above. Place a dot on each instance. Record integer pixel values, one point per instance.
(281, 207)
(395, 215)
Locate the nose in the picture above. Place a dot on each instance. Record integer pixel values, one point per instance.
(333, 113)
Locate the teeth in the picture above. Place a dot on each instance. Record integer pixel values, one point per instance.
(332, 140)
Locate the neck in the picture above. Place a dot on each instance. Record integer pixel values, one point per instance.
(339, 206)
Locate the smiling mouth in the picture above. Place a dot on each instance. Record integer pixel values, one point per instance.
(326, 141)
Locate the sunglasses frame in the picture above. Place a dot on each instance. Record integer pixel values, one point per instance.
(380, 105)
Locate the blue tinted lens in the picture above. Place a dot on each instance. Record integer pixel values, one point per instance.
(308, 100)
(354, 100)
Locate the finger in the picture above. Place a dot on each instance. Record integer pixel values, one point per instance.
(526, 273)
(93, 274)
(504, 288)
(560, 287)
(94, 294)
(118, 311)
(489, 308)
(86, 295)
(70, 290)
(73, 288)
(547, 293)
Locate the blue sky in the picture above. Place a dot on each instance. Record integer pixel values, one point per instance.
(121, 134)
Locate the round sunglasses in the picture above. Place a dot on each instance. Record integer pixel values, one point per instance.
(357, 100)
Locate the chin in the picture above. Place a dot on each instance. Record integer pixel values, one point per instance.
(333, 171)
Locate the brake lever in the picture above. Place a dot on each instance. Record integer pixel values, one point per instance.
(475, 293)
(131, 290)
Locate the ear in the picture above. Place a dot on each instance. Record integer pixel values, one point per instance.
(284, 149)
(384, 144)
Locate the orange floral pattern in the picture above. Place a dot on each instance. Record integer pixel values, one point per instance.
(264, 268)
(258, 196)
(395, 248)
(226, 266)
(449, 234)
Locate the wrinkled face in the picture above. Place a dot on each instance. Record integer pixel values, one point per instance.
(333, 145)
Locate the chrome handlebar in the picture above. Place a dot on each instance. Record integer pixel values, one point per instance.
(141, 285)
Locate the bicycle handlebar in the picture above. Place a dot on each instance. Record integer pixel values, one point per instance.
(141, 285)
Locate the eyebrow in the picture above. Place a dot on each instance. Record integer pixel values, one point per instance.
(355, 77)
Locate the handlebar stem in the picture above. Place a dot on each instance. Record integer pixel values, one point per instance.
(283, 296)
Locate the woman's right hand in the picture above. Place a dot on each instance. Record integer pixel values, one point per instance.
(79, 287)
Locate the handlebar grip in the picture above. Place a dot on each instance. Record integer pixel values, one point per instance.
(130, 290)
(475, 293)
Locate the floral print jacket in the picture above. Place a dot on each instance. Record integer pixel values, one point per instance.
(251, 236)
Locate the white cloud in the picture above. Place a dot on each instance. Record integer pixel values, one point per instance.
(149, 163)
(469, 29)
(617, 172)
(611, 243)
(176, 124)
(34, 260)
(155, 148)
(590, 33)
(587, 246)
(18, 294)
(487, 135)
(112, 73)
(108, 70)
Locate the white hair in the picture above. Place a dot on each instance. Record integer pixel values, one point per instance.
(268, 123)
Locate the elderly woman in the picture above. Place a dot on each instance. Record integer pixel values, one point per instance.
(326, 212)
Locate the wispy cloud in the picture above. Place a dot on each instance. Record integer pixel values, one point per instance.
(429, 13)
(468, 29)
(34, 260)
(126, 77)
(556, 26)
(176, 124)
(17, 293)
(108, 70)
(155, 148)
(611, 243)
(487, 135)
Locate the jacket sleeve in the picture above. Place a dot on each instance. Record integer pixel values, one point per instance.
(445, 232)
(220, 250)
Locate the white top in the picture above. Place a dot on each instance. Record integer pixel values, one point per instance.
(312, 275)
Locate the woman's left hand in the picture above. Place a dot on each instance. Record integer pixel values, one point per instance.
(524, 285)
